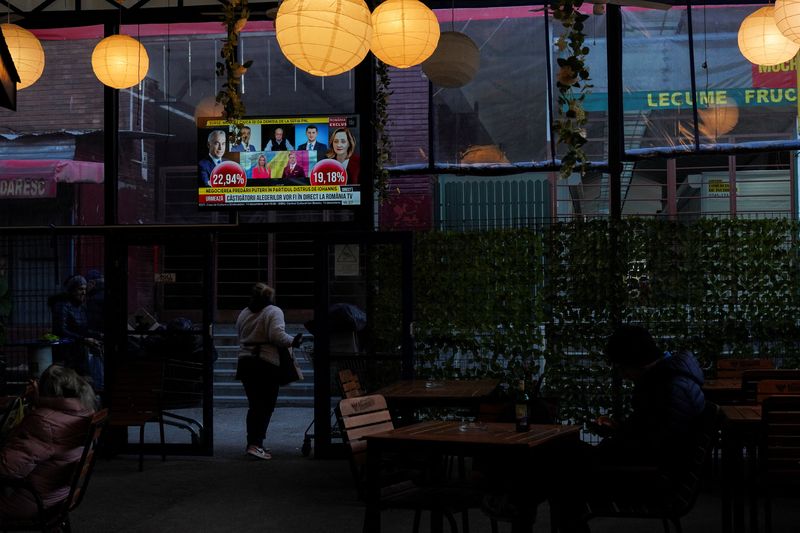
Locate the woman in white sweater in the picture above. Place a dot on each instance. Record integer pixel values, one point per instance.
(262, 329)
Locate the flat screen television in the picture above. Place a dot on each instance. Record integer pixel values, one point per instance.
(307, 161)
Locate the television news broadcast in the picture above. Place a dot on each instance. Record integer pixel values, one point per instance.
(310, 161)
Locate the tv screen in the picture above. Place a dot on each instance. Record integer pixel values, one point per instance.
(310, 161)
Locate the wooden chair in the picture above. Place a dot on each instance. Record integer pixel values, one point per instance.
(350, 384)
(779, 448)
(776, 387)
(136, 400)
(367, 415)
(56, 518)
(751, 378)
(733, 368)
(350, 387)
(667, 493)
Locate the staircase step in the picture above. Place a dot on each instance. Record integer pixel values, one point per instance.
(283, 401)
(300, 388)
(228, 392)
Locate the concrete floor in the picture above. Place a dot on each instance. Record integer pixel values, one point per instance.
(292, 494)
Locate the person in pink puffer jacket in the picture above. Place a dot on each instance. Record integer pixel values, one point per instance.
(48, 443)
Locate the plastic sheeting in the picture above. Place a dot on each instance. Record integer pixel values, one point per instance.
(737, 102)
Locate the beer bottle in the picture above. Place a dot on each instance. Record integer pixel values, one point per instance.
(521, 407)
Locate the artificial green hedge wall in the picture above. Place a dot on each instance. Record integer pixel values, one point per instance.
(494, 302)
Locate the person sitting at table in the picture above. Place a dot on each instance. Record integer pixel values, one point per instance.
(667, 397)
(667, 402)
(71, 322)
(45, 446)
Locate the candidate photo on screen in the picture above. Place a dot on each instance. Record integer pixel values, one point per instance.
(259, 169)
(212, 153)
(279, 138)
(312, 139)
(296, 170)
(342, 148)
(247, 139)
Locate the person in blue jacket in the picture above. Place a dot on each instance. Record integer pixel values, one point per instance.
(667, 396)
(666, 404)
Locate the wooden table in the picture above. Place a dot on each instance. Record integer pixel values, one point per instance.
(451, 438)
(740, 429)
(416, 393)
(723, 390)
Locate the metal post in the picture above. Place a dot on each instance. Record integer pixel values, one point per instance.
(672, 205)
(732, 184)
(110, 143)
(364, 98)
(616, 150)
(322, 363)
(616, 135)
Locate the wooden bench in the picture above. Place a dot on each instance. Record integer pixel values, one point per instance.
(733, 368)
(777, 387)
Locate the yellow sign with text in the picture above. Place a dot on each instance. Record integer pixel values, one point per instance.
(722, 97)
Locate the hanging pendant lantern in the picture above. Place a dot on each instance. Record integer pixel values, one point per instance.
(455, 61)
(26, 52)
(208, 108)
(120, 61)
(761, 42)
(787, 18)
(324, 37)
(404, 32)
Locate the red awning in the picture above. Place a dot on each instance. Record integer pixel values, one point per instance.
(37, 178)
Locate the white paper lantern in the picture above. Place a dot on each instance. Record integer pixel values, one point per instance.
(455, 61)
(404, 32)
(27, 53)
(120, 61)
(787, 18)
(324, 37)
(761, 42)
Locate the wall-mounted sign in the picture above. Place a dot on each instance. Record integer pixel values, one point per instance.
(19, 187)
(345, 260)
(165, 277)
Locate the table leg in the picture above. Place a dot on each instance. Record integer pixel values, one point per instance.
(437, 521)
(752, 485)
(728, 466)
(372, 516)
(736, 484)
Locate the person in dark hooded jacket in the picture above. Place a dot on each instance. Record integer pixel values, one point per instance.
(667, 403)
(667, 398)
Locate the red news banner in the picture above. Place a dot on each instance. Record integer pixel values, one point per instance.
(281, 195)
(328, 185)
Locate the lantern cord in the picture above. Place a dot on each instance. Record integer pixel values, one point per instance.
(453, 15)
(705, 46)
(693, 73)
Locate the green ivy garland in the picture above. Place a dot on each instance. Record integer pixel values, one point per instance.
(491, 303)
(383, 144)
(235, 15)
(572, 84)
